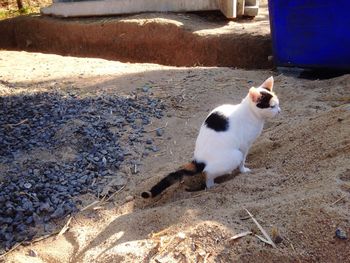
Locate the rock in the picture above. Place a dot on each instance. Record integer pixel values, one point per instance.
(27, 185)
(154, 148)
(32, 253)
(145, 88)
(129, 198)
(44, 207)
(340, 233)
(159, 132)
(59, 212)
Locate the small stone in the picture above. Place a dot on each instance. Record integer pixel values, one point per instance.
(341, 234)
(129, 198)
(202, 253)
(59, 212)
(32, 253)
(159, 132)
(154, 148)
(145, 88)
(96, 159)
(27, 185)
(181, 235)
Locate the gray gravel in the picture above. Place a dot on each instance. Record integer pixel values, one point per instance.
(104, 134)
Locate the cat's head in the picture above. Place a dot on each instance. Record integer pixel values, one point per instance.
(263, 100)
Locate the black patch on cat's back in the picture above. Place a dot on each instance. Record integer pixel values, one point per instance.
(264, 101)
(217, 122)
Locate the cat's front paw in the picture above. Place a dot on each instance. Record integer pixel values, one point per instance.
(244, 170)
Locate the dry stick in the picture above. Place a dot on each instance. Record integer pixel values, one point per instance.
(166, 246)
(162, 127)
(12, 249)
(115, 193)
(206, 257)
(44, 237)
(16, 124)
(160, 233)
(64, 228)
(268, 239)
(90, 205)
(243, 234)
(103, 200)
(291, 244)
(338, 200)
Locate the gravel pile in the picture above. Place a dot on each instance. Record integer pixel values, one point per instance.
(104, 132)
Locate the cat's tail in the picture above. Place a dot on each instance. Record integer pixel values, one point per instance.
(191, 168)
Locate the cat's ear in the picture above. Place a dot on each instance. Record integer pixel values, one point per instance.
(254, 94)
(268, 84)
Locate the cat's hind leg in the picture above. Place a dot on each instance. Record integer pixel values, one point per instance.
(224, 164)
(242, 167)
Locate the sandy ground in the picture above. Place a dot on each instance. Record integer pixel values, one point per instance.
(299, 190)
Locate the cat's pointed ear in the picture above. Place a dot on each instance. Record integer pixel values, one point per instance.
(268, 84)
(254, 94)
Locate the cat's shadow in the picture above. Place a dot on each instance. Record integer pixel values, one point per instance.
(199, 185)
(227, 177)
(128, 226)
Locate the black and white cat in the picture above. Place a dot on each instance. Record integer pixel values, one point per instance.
(225, 138)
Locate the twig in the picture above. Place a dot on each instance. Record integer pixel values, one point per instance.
(162, 127)
(160, 233)
(268, 238)
(64, 228)
(44, 237)
(12, 249)
(16, 124)
(115, 193)
(338, 200)
(90, 205)
(291, 244)
(243, 234)
(262, 239)
(166, 246)
(206, 257)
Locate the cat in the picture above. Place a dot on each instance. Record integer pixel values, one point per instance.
(225, 138)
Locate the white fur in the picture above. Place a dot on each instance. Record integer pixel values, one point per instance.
(222, 152)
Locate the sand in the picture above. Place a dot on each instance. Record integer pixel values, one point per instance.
(299, 188)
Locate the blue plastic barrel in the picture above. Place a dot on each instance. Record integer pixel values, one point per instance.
(311, 33)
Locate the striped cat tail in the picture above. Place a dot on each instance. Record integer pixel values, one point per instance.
(188, 169)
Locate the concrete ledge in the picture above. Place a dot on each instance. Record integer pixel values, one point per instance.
(75, 8)
(111, 7)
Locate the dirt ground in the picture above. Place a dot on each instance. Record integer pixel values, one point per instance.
(299, 190)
